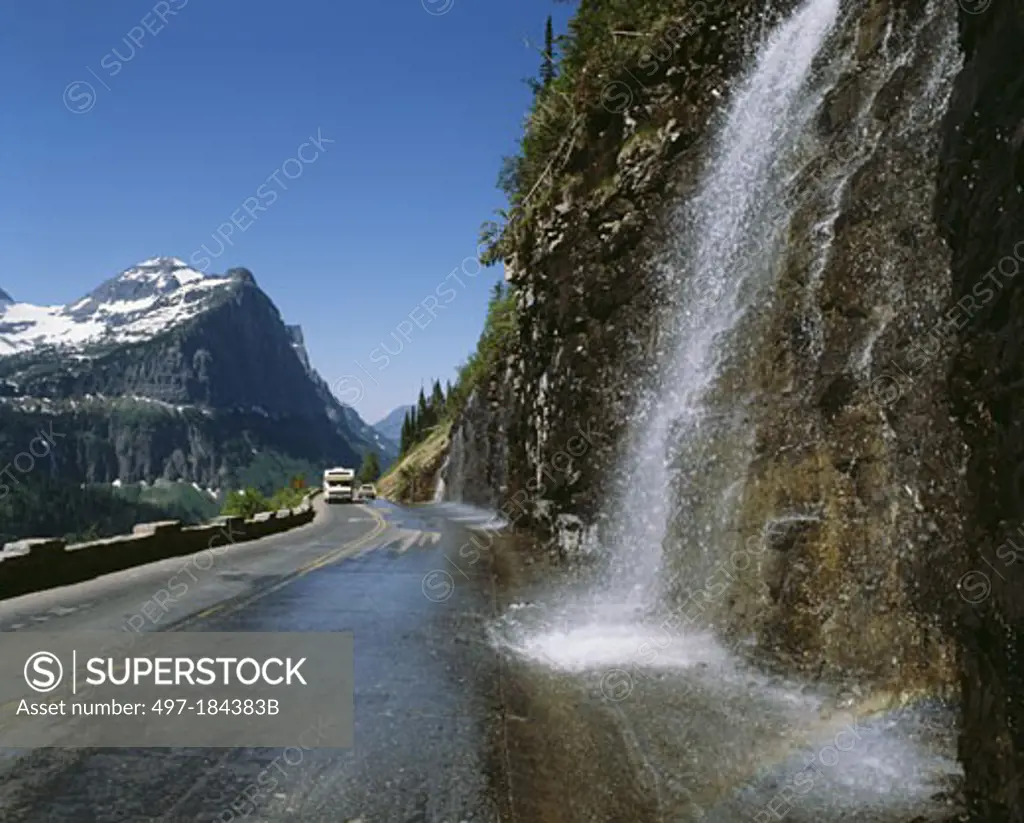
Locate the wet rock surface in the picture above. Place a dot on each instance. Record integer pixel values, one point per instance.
(848, 402)
(836, 377)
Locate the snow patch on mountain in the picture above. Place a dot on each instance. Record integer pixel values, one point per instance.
(134, 306)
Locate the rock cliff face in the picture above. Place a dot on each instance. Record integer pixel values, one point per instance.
(980, 208)
(830, 427)
(841, 381)
(585, 266)
(865, 428)
(161, 372)
(476, 467)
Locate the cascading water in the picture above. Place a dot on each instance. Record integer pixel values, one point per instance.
(718, 282)
(439, 489)
(715, 283)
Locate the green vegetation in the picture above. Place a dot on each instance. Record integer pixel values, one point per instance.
(441, 407)
(181, 501)
(42, 506)
(245, 503)
(424, 417)
(370, 470)
(286, 498)
(251, 501)
(496, 340)
(412, 478)
(605, 38)
(270, 470)
(547, 67)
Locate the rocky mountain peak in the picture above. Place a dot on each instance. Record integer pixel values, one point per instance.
(148, 279)
(241, 274)
(5, 298)
(232, 387)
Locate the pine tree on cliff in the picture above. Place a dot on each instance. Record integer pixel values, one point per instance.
(547, 68)
(422, 414)
(437, 400)
(406, 433)
(370, 470)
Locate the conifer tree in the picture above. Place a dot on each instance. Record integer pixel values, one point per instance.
(437, 399)
(406, 432)
(370, 470)
(422, 414)
(547, 68)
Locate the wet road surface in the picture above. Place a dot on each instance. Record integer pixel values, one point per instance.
(426, 711)
(449, 727)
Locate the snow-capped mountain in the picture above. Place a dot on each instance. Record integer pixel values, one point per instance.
(137, 304)
(163, 371)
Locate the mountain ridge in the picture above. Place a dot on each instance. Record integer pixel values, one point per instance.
(165, 372)
(390, 425)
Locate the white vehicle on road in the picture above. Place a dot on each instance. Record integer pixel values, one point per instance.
(339, 485)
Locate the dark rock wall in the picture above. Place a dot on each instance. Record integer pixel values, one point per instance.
(980, 209)
(476, 464)
(885, 383)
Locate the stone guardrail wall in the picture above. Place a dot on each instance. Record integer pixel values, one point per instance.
(36, 564)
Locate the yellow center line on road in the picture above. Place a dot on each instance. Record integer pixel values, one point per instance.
(330, 557)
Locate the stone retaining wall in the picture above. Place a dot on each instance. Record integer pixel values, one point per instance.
(35, 564)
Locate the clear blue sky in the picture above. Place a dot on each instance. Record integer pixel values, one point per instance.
(192, 113)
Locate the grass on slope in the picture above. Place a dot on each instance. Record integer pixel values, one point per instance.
(412, 479)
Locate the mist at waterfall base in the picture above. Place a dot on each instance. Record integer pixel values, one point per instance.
(620, 636)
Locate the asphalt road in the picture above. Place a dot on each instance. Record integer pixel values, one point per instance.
(427, 718)
(448, 728)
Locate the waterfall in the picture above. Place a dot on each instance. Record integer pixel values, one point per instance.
(439, 488)
(729, 233)
(679, 443)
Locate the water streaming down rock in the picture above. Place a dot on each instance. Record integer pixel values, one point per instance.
(718, 279)
(764, 439)
(439, 487)
(716, 283)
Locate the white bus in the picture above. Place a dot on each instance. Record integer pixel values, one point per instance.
(339, 485)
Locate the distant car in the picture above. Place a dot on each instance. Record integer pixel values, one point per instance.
(367, 492)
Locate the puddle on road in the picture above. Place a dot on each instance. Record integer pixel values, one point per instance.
(628, 712)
